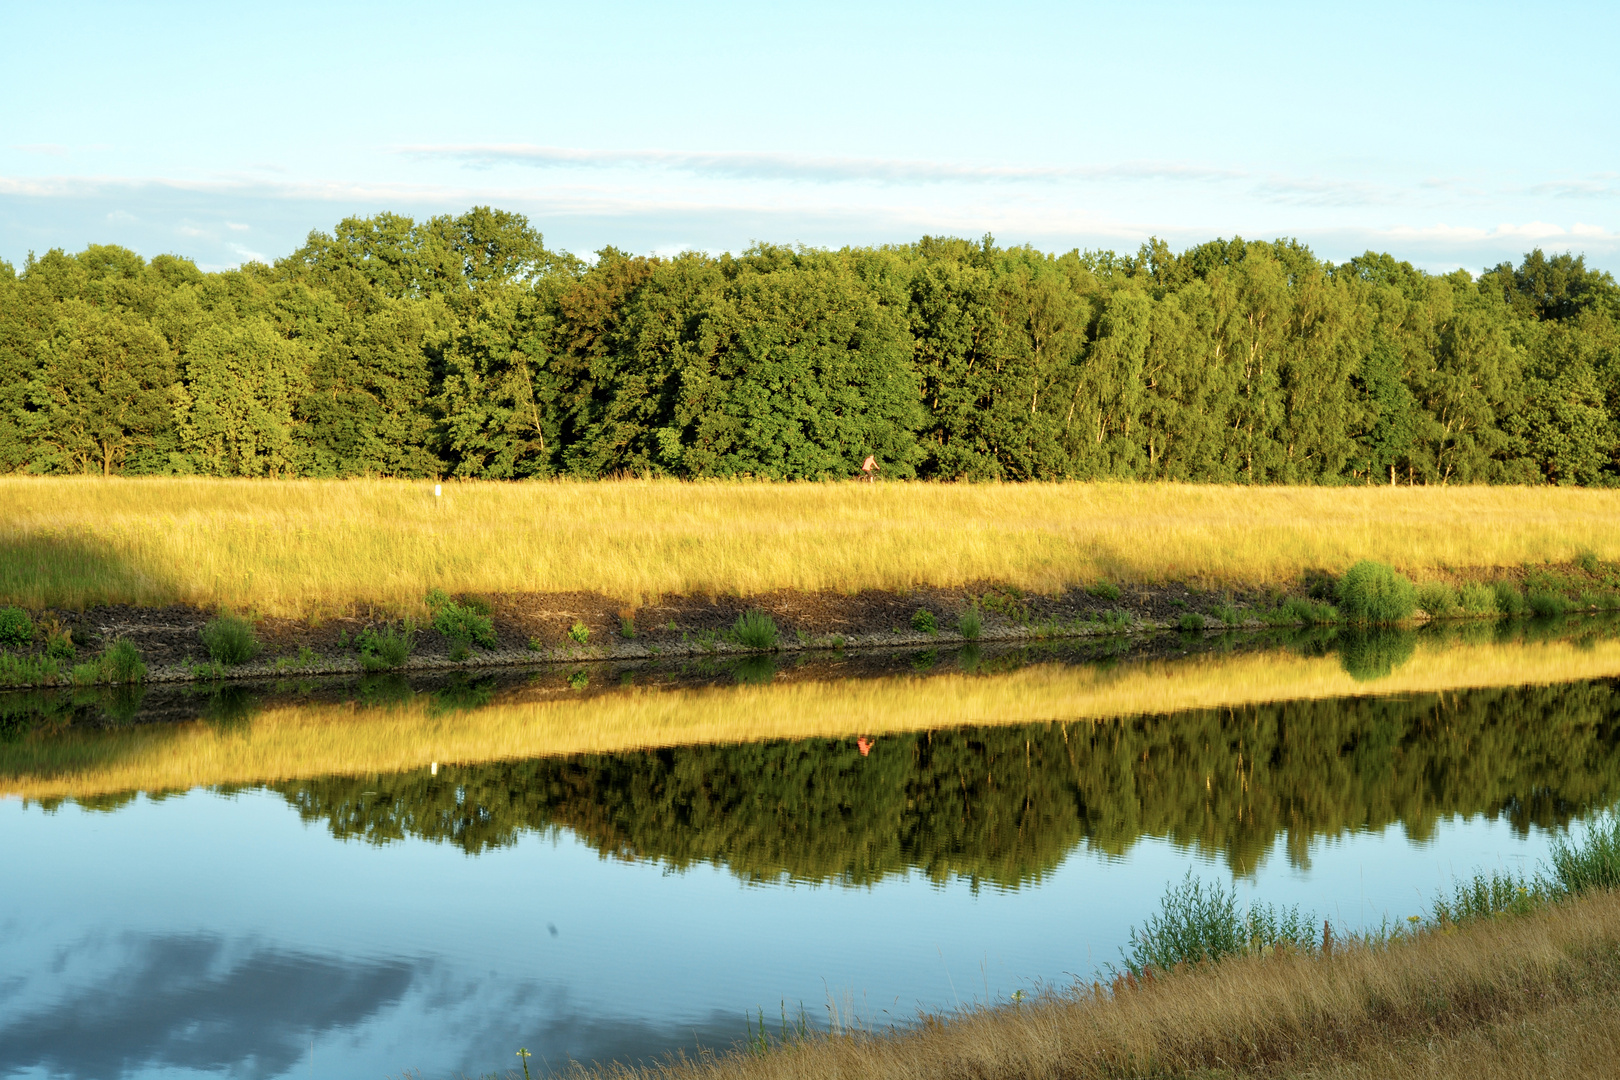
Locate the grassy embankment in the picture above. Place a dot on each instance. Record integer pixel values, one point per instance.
(307, 548)
(303, 741)
(1506, 977)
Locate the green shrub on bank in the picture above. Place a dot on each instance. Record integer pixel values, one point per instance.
(1509, 600)
(1591, 863)
(465, 622)
(230, 640)
(1545, 603)
(1477, 599)
(122, 663)
(1201, 922)
(1486, 896)
(1298, 611)
(16, 628)
(1191, 621)
(1374, 593)
(923, 621)
(970, 624)
(386, 649)
(27, 670)
(755, 630)
(1439, 599)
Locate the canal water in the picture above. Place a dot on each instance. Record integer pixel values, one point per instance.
(222, 882)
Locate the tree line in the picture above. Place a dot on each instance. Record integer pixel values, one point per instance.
(463, 347)
(1005, 805)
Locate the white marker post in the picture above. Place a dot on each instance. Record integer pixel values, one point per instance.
(437, 491)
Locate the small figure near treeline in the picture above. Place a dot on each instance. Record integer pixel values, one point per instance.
(869, 469)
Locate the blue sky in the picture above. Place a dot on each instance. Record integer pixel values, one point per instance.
(1451, 135)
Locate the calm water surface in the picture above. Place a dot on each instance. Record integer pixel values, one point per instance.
(624, 905)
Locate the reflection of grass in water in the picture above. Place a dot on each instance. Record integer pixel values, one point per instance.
(297, 547)
(322, 739)
(1372, 654)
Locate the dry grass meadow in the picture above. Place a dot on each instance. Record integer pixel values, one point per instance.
(1502, 999)
(308, 547)
(310, 740)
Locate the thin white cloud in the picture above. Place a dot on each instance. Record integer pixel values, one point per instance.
(248, 254)
(750, 165)
(236, 227)
(56, 150)
(1596, 186)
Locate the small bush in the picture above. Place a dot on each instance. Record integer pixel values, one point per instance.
(1228, 614)
(1191, 621)
(1104, 590)
(1588, 561)
(1546, 603)
(1439, 599)
(460, 649)
(87, 673)
(627, 626)
(59, 646)
(16, 628)
(1591, 863)
(1486, 896)
(230, 640)
(1376, 594)
(122, 663)
(1509, 600)
(1200, 922)
(1298, 610)
(579, 633)
(387, 649)
(460, 623)
(923, 622)
(970, 624)
(1477, 599)
(27, 670)
(755, 630)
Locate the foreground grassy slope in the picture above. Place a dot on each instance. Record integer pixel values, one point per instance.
(311, 547)
(302, 741)
(1537, 995)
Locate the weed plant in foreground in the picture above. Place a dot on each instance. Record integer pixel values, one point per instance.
(293, 548)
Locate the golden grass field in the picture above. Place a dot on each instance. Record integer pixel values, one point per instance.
(308, 547)
(1501, 999)
(303, 741)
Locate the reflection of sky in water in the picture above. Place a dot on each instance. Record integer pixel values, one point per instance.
(203, 934)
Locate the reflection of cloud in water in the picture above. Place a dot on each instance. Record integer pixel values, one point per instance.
(201, 1003)
(558, 1031)
(180, 1002)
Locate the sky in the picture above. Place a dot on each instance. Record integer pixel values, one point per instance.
(1447, 134)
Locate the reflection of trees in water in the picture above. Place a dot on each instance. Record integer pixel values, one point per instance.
(1005, 804)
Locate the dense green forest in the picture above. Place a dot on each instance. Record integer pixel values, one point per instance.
(1006, 804)
(462, 347)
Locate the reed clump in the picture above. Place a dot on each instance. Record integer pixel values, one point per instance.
(308, 547)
